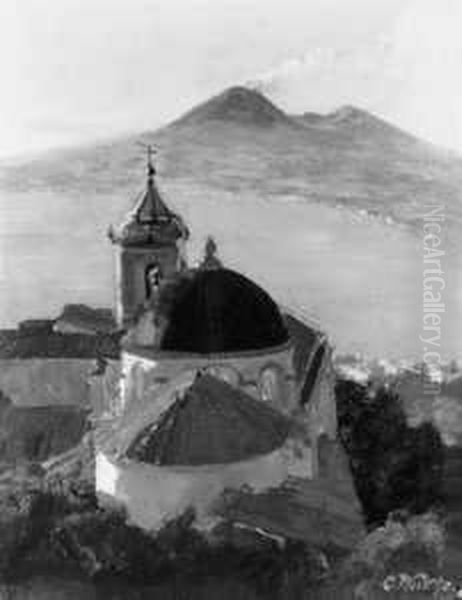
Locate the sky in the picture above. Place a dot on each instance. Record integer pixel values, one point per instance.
(74, 71)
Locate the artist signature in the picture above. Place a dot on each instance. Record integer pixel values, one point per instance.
(440, 588)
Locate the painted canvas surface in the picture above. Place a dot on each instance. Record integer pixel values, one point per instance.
(230, 299)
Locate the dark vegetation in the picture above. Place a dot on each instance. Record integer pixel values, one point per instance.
(54, 530)
(394, 467)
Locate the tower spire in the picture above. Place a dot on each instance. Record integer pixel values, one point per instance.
(151, 244)
(150, 151)
(152, 207)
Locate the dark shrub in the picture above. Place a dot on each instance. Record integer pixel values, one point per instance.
(394, 466)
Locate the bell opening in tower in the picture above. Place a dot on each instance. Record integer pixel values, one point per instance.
(152, 277)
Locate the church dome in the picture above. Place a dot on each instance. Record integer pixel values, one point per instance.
(219, 310)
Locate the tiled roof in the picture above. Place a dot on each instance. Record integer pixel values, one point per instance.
(86, 319)
(211, 423)
(305, 341)
(42, 344)
(151, 222)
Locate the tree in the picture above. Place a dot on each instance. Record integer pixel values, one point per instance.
(394, 466)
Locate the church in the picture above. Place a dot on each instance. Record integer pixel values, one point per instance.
(221, 394)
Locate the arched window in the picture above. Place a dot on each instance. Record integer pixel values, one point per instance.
(152, 277)
(269, 384)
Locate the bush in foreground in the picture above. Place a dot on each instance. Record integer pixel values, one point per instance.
(47, 532)
(405, 543)
(394, 466)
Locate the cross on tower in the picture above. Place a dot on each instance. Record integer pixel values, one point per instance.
(150, 151)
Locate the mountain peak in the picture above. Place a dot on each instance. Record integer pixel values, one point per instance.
(350, 114)
(237, 104)
(352, 118)
(346, 114)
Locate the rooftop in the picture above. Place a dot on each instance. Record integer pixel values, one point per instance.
(211, 423)
(151, 221)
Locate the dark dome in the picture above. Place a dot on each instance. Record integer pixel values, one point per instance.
(220, 310)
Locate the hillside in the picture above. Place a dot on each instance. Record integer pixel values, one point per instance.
(240, 141)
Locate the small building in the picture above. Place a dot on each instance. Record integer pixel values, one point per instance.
(79, 318)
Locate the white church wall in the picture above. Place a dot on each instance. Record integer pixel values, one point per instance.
(154, 494)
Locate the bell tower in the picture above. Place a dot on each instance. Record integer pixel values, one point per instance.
(151, 250)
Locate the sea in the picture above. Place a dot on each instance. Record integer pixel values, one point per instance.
(357, 277)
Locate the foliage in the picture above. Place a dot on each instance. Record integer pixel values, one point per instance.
(405, 543)
(63, 530)
(30, 505)
(394, 466)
